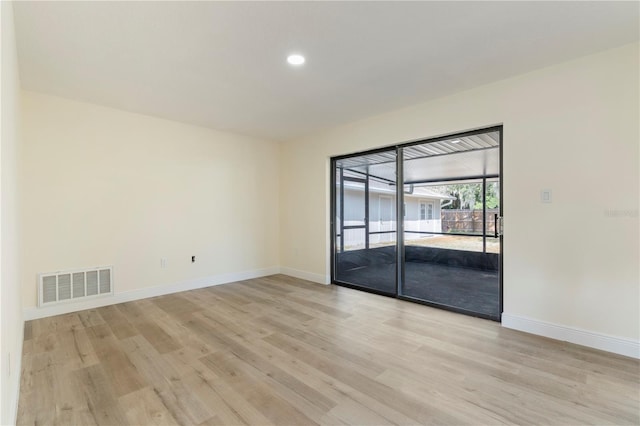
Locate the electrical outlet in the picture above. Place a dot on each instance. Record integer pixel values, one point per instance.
(545, 195)
(163, 262)
(193, 259)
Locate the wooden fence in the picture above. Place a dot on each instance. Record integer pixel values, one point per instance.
(467, 221)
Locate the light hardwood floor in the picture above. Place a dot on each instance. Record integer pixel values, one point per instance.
(279, 350)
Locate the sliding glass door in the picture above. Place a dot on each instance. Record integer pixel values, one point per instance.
(447, 248)
(364, 223)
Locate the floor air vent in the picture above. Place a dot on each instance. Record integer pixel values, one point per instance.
(65, 286)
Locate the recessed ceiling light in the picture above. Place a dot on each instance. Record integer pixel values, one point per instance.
(456, 141)
(295, 59)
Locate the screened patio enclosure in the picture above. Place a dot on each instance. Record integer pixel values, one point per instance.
(435, 237)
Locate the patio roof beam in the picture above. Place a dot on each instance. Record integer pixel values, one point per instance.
(452, 179)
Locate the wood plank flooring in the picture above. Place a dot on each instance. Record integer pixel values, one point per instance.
(283, 351)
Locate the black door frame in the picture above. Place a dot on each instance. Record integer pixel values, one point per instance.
(400, 223)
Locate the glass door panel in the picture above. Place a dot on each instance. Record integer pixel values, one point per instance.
(451, 254)
(365, 224)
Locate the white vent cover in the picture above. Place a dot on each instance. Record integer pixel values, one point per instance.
(65, 286)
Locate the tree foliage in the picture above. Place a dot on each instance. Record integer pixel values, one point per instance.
(468, 196)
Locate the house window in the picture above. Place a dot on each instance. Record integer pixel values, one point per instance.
(426, 211)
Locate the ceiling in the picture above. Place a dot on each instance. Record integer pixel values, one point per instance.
(223, 64)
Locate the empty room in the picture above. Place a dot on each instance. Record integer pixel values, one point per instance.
(298, 213)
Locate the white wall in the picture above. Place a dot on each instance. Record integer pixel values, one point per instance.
(572, 128)
(412, 221)
(354, 209)
(107, 187)
(11, 324)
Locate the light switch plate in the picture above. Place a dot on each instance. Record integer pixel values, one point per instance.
(545, 195)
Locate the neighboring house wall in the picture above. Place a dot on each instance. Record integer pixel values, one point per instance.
(422, 214)
(382, 217)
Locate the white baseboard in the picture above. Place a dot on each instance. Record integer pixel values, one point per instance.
(32, 313)
(304, 275)
(618, 345)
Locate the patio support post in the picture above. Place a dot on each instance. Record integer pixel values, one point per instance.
(399, 220)
(484, 215)
(366, 210)
(341, 210)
